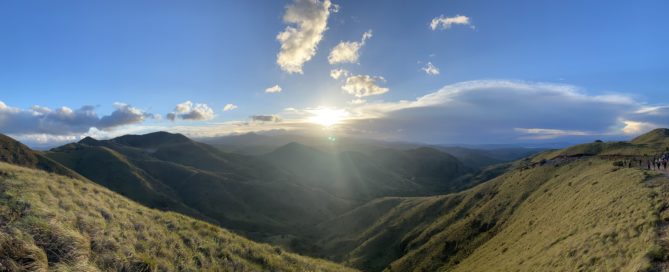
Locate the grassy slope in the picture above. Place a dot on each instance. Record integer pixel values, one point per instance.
(582, 215)
(14, 152)
(588, 217)
(64, 224)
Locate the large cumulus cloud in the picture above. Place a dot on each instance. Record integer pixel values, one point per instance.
(307, 21)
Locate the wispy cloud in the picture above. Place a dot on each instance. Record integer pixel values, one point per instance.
(229, 107)
(339, 73)
(348, 52)
(443, 22)
(274, 89)
(430, 69)
(307, 20)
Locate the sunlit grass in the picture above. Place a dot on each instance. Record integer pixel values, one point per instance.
(72, 225)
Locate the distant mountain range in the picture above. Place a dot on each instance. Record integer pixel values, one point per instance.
(365, 204)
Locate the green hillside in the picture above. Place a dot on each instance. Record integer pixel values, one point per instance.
(63, 224)
(580, 216)
(566, 214)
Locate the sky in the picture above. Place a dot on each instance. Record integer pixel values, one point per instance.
(442, 72)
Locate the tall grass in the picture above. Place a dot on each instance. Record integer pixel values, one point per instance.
(62, 224)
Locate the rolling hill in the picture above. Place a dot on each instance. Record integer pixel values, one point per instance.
(56, 223)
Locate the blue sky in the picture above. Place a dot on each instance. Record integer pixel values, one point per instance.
(154, 55)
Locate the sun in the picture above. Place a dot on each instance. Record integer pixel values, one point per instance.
(327, 117)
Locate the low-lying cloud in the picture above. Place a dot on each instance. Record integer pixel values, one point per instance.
(266, 118)
(66, 121)
(502, 111)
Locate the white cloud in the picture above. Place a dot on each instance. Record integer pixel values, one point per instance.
(363, 85)
(65, 121)
(125, 114)
(307, 20)
(338, 73)
(190, 111)
(442, 22)
(274, 89)
(430, 69)
(636, 128)
(229, 107)
(348, 52)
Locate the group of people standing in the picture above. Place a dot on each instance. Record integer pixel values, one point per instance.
(651, 163)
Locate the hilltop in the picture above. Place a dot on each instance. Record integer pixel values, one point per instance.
(657, 137)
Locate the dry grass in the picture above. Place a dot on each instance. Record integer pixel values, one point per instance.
(587, 215)
(62, 224)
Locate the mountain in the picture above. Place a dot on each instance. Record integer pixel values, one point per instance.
(565, 210)
(481, 158)
(259, 144)
(171, 172)
(361, 176)
(56, 223)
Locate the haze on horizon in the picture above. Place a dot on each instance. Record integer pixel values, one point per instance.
(466, 72)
